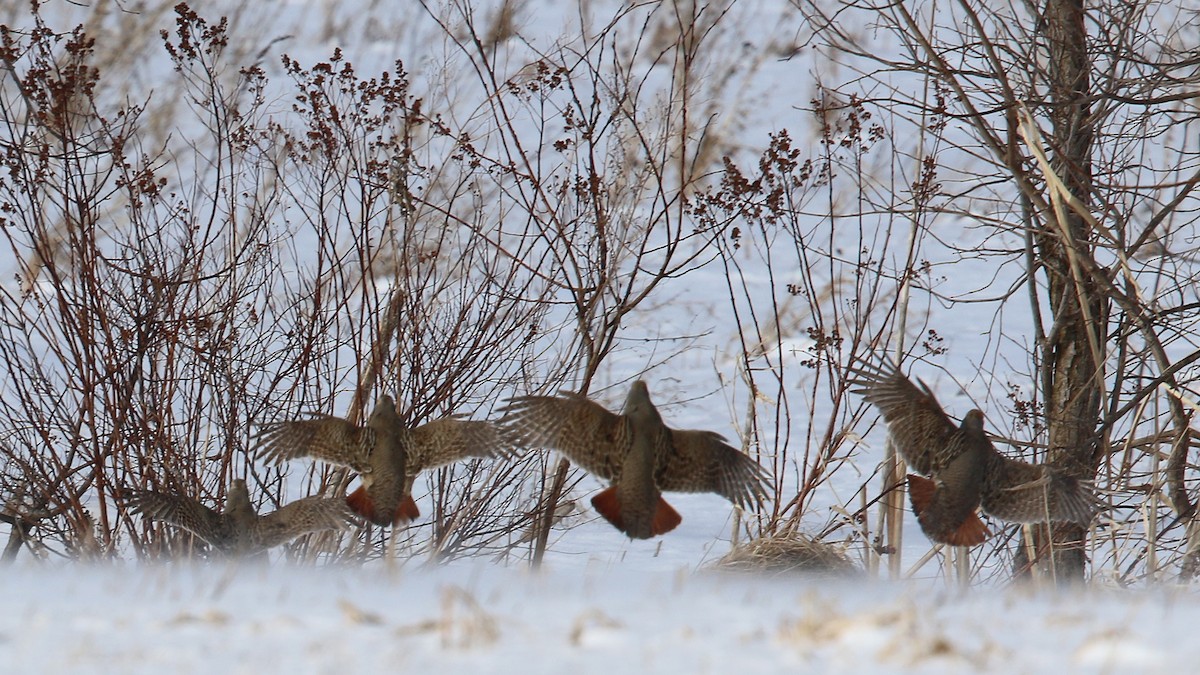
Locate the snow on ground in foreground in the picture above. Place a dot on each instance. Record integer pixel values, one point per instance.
(475, 618)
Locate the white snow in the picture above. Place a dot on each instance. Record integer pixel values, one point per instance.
(473, 617)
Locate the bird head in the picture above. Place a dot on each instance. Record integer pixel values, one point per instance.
(384, 407)
(639, 405)
(237, 487)
(973, 421)
(237, 497)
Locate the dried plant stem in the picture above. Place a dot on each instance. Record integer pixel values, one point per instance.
(892, 506)
(546, 513)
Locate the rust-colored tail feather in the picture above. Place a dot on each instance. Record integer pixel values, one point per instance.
(360, 502)
(665, 518)
(920, 492)
(407, 510)
(970, 531)
(608, 505)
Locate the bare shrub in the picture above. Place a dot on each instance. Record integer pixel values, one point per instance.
(602, 182)
(372, 235)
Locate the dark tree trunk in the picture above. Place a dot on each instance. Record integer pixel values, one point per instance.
(1070, 354)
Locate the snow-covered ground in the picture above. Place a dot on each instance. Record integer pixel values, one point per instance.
(475, 618)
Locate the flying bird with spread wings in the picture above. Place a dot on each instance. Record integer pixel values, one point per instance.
(386, 454)
(238, 530)
(638, 453)
(960, 470)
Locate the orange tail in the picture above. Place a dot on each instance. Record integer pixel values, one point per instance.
(407, 510)
(360, 502)
(665, 518)
(920, 492)
(608, 505)
(970, 532)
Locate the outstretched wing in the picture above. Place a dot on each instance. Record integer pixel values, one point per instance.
(1021, 492)
(919, 427)
(585, 432)
(183, 512)
(311, 514)
(703, 462)
(449, 439)
(330, 439)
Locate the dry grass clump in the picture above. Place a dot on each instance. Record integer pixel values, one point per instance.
(786, 554)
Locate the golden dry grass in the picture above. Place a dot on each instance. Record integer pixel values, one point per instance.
(787, 554)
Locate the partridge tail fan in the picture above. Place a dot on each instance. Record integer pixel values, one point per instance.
(665, 518)
(920, 492)
(971, 531)
(608, 505)
(407, 510)
(360, 502)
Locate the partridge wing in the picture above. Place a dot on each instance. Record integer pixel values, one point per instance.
(330, 439)
(585, 432)
(1021, 492)
(918, 426)
(703, 462)
(183, 512)
(311, 514)
(449, 439)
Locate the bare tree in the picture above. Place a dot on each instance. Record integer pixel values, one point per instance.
(1065, 148)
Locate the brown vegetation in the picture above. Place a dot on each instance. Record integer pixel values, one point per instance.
(249, 240)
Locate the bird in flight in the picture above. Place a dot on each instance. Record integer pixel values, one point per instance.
(238, 529)
(957, 467)
(386, 454)
(638, 453)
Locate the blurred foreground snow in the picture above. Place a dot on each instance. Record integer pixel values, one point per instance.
(475, 618)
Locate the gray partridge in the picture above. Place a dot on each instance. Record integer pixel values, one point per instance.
(386, 454)
(638, 453)
(238, 529)
(965, 469)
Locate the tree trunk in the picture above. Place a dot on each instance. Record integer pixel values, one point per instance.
(1073, 351)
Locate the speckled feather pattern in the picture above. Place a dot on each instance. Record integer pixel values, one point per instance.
(449, 439)
(326, 438)
(591, 436)
(925, 437)
(922, 433)
(598, 440)
(1021, 492)
(238, 529)
(386, 454)
(704, 462)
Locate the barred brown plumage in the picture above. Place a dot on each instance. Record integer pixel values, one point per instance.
(238, 529)
(966, 469)
(638, 453)
(386, 454)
